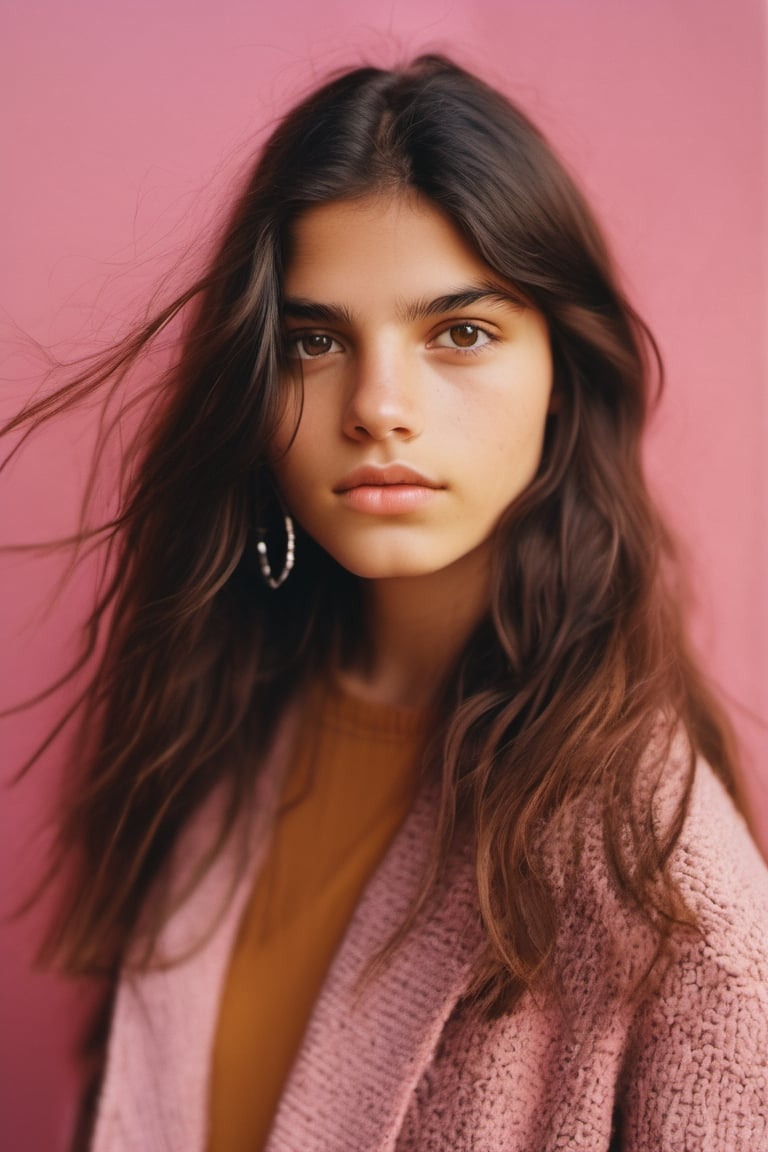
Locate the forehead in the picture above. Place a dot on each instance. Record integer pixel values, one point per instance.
(382, 246)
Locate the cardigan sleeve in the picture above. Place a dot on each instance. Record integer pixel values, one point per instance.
(697, 1077)
(697, 1070)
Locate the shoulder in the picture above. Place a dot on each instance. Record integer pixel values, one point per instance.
(714, 864)
(696, 1073)
(717, 870)
(723, 878)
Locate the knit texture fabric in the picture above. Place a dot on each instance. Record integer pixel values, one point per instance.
(401, 1065)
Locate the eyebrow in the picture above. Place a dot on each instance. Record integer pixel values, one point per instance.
(301, 308)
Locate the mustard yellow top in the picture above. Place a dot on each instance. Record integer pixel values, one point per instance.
(350, 786)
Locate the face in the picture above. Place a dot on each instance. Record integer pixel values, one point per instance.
(427, 385)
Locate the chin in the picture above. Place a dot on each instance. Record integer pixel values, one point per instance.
(389, 566)
(367, 570)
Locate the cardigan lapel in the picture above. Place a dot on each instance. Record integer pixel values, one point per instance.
(156, 1084)
(365, 1049)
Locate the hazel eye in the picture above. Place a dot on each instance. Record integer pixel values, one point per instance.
(311, 345)
(469, 336)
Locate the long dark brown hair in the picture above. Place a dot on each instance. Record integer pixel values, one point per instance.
(565, 684)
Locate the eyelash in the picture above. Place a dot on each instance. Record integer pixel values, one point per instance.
(293, 340)
(473, 349)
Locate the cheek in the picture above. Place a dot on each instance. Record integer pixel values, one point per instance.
(509, 445)
(515, 420)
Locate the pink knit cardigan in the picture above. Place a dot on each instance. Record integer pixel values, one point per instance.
(404, 1066)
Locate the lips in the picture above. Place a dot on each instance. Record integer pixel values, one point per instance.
(393, 490)
(370, 476)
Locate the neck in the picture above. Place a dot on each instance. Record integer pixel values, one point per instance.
(415, 629)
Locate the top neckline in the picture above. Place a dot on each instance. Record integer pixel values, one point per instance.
(334, 705)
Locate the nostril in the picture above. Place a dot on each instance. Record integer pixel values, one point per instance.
(363, 430)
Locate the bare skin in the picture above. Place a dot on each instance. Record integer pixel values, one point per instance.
(416, 628)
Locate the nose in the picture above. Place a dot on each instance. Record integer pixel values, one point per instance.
(384, 396)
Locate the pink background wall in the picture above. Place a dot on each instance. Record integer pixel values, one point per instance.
(124, 125)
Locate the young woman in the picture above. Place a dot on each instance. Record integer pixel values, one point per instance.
(400, 814)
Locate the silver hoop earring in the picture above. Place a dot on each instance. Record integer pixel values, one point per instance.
(290, 556)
